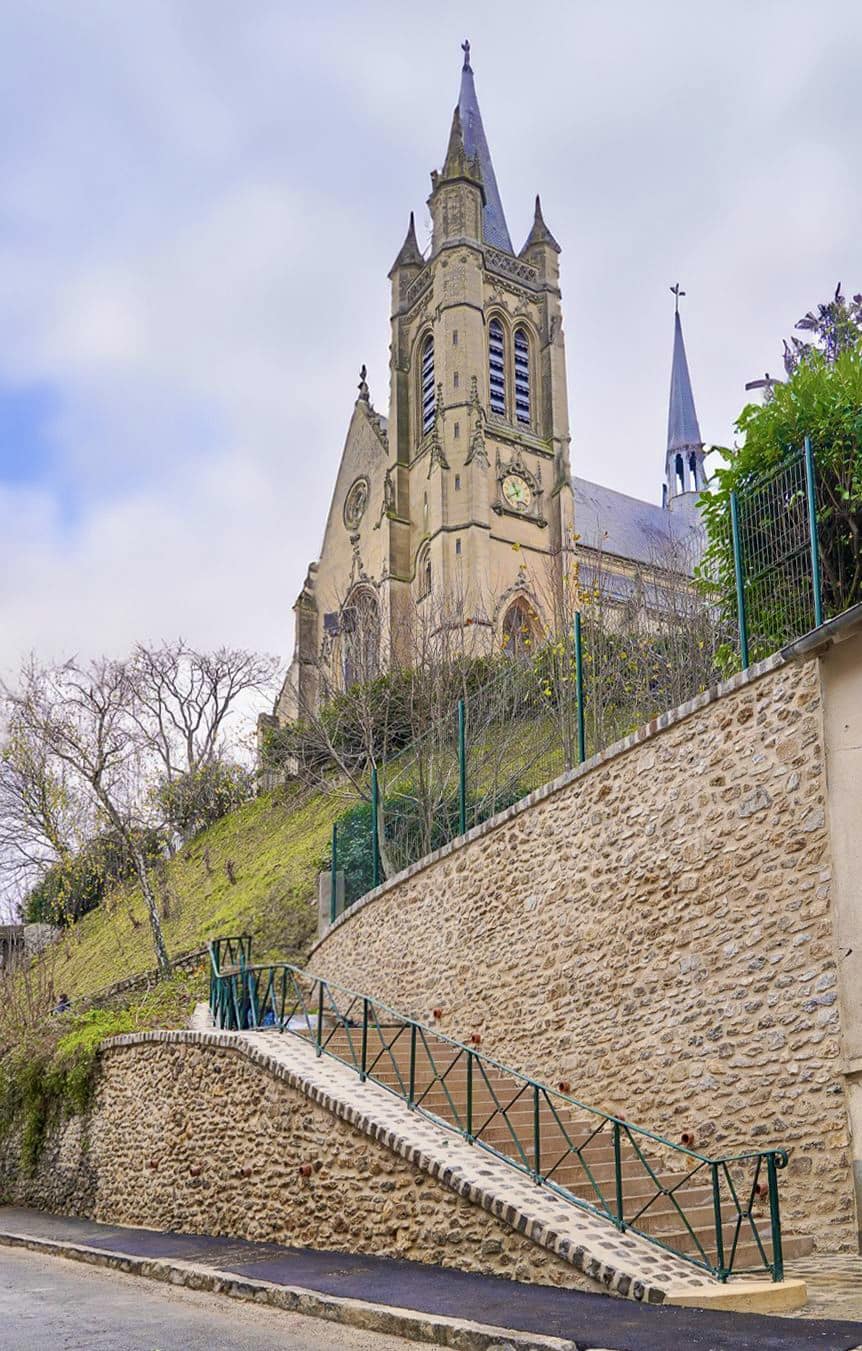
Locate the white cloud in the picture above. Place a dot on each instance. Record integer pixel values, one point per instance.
(199, 205)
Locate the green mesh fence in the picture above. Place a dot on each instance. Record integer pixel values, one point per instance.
(535, 715)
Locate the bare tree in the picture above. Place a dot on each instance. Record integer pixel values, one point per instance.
(184, 698)
(82, 720)
(43, 819)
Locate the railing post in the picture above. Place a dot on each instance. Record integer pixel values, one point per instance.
(319, 1046)
(738, 578)
(333, 876)
(775, 1219)
(721, 1273)
(375, 819)
(579, 689)
(812, 533)
(412, 1087)
(537, 1142)
(462, 767)
(283, 1000)
(362, 1073)
(618, 1175)
(470, 1096)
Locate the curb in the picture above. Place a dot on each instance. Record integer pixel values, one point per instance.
(459, 1334)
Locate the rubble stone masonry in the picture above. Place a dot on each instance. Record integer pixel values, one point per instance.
(657, 930)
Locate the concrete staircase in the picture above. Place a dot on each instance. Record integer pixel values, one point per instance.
(503, 1117)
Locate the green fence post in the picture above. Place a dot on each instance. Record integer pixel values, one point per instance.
(470, 1096)
(721, 1273)
(618, 1175)
(411, 1098)
(362, 1072)
(537, 1143)
(579, 689)
(462, 767)
(812, 533)
(319, 1047)
(740, 585)
(333, 888)
(375, 817)
(775, 1218)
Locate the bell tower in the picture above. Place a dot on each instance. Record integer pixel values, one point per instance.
(478, 410)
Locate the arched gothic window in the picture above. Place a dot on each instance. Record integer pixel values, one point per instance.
(518, 629)
(360, 637)
(428, 384)
(680, 473)
(522, 376)
(692, 464)
(497, 367)
(423, 572)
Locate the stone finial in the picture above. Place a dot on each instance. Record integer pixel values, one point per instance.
(465, 48)
(363, 385)
(539, 233)
(409, 254)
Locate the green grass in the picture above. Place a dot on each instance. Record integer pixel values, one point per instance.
(273, 847)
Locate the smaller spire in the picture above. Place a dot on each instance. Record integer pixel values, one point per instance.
(409, 255)
(540, 234)
(458, 163)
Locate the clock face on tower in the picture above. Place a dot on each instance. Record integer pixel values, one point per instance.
(517, 492)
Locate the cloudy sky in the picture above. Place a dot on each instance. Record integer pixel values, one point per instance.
(199, 203)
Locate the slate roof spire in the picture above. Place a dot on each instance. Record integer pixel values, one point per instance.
(494, 227)
(684, 463)
(683, 431)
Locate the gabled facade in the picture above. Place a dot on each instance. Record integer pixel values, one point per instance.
(465, 490)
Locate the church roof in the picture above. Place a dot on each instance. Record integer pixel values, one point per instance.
(683, 431)
(614, 523)
(494, 227)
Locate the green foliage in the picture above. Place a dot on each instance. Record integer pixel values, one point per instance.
(377, 719)
(823, 400)
(77, 884)
(52, 1073)
(198, 799)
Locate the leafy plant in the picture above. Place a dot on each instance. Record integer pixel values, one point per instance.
(822, 400)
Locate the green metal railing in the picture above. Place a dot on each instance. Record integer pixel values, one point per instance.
(720, 1214)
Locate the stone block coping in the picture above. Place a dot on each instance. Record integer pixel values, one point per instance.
(622, 1264)
(644, 733)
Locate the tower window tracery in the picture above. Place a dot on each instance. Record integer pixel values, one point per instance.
(522, 376)
(497, 367)
(428, 392)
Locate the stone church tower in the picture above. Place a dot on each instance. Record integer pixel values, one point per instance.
(469, 475)
(457, 510)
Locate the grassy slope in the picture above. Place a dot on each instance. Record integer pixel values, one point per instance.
(275, 843)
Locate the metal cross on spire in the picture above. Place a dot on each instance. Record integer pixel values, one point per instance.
(465, 48)
(676, 293)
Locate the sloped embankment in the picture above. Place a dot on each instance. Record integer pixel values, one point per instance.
(254, 872)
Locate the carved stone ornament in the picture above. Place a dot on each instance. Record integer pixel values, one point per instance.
(355, 503)
(477, 450)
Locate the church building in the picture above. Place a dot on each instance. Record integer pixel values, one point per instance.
(461, 504)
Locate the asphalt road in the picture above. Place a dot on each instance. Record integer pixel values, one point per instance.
(50, 1304)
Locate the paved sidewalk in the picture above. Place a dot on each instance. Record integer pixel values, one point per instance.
(585, 1320)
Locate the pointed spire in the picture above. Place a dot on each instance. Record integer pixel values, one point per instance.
(409, 255)
(494, 227)
(685, 454)
(683, 431)
(540, 234)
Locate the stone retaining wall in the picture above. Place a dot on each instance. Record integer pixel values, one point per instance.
(656, 930)
(196, 1138)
